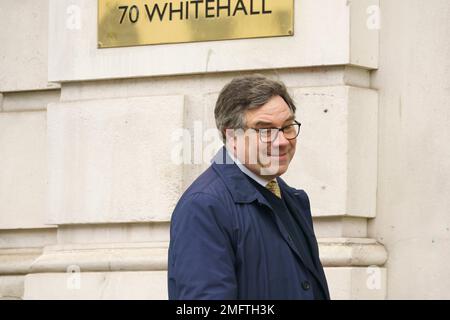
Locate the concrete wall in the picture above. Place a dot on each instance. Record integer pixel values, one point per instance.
(413, 199)
(24, 49)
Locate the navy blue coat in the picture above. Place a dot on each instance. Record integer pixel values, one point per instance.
(226, 242)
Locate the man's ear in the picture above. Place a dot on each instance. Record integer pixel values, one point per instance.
(230, 139)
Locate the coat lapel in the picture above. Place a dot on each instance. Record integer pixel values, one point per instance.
(292, 202)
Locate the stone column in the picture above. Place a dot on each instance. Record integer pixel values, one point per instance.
(112, 188)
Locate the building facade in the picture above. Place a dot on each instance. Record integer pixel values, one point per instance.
(97, 145)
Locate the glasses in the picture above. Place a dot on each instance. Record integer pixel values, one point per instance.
(290, 132)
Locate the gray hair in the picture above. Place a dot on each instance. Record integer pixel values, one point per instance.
(245, 93)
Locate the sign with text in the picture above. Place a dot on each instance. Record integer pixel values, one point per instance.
(142, 22)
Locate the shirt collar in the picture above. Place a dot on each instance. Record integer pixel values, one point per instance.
(245, 170)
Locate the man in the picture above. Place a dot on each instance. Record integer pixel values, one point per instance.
(239, 231)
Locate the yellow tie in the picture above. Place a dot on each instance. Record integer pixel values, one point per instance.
(274, 188)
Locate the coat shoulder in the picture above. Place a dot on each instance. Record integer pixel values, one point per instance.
(207, 196)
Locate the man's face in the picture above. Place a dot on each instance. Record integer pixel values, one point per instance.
(267, 159)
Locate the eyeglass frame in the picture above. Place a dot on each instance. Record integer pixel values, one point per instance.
(278, 130)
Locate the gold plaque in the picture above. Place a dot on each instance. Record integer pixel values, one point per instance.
(141, 22)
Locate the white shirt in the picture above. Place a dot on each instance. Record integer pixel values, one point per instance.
(249, 173)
